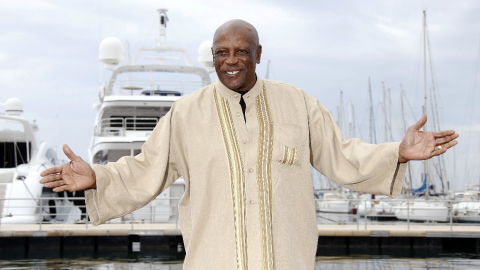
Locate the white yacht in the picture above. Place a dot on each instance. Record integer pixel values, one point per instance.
(376, 206)
(22, 159)
(468, 207)
(421, 209)
(137, 95)
(338, 201)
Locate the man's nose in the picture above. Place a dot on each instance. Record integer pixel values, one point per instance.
(231, 59)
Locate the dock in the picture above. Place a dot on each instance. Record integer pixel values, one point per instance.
(127, 240)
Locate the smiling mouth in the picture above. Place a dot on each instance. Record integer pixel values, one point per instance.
(232, 72)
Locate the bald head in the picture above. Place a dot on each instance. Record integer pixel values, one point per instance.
(237, 27)
(236, 52)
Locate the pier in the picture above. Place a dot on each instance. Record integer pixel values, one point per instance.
(155, 231)
(127, 240)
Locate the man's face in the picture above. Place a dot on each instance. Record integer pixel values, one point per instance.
(235, 58)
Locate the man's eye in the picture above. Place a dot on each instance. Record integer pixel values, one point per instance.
(242, 52)
(221, 52)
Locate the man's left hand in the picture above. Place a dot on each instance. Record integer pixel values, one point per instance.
(419, 145)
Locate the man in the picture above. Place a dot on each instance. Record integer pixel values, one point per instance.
(244, 147)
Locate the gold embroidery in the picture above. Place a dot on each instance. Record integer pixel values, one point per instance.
(237, 178)
(294, 155)
(289, 155)
(264, 177)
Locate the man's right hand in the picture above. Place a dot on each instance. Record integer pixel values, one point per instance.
(72, 176)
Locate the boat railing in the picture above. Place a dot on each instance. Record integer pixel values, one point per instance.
(366, 213)
(164, 210)
(148, 87)
(119, 126)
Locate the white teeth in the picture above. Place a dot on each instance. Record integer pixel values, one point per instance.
(232, 72)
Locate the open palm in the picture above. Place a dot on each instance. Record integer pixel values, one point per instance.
(419, 145)
(72, 176)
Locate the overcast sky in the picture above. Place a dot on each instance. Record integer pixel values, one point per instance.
(49, 57)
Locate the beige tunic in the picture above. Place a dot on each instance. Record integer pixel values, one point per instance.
(249, 199)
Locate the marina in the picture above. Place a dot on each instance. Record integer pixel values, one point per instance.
(434, 226)
(137, 235)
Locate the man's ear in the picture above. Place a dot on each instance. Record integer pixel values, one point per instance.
(213, 57)
(258, 54)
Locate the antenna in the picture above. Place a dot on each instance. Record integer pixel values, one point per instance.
(162, 41)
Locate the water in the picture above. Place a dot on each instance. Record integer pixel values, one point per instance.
(330, 262)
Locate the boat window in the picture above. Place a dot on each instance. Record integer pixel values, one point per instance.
(161, 93)
(137, 151)
(115, 155)
(137, 123)
(117, 121)
(98, 158)
(111, 156)
(13, 154)
(156, 83)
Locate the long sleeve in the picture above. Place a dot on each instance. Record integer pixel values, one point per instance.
(353, 164)
(132, 182)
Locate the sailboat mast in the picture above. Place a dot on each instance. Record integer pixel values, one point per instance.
(371, 109)
(404, 112)
(373, 136)
(349, 105)
(425, 64)
(342, 116)
(384, 107)
(441, 158)
(353, 121)
(380, 120)
(339, 119)
(425, 163)
(390, 109)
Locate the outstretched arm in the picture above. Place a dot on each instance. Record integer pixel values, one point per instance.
(353, 164)
(419, 145)
(120, 187)
(72, 176)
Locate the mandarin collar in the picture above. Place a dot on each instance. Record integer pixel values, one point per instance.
(234, 96)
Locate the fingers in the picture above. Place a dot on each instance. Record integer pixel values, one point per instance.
(62, 188)
(448, 145)
(69, 153)
(52, 170)
(55, 184)
(420, 123)
(440, 149)
(50, 178)
(445, 139)
(444, 133)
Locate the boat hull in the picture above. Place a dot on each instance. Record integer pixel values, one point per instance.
(422, 211)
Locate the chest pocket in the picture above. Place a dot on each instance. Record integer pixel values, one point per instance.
(289, 145)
